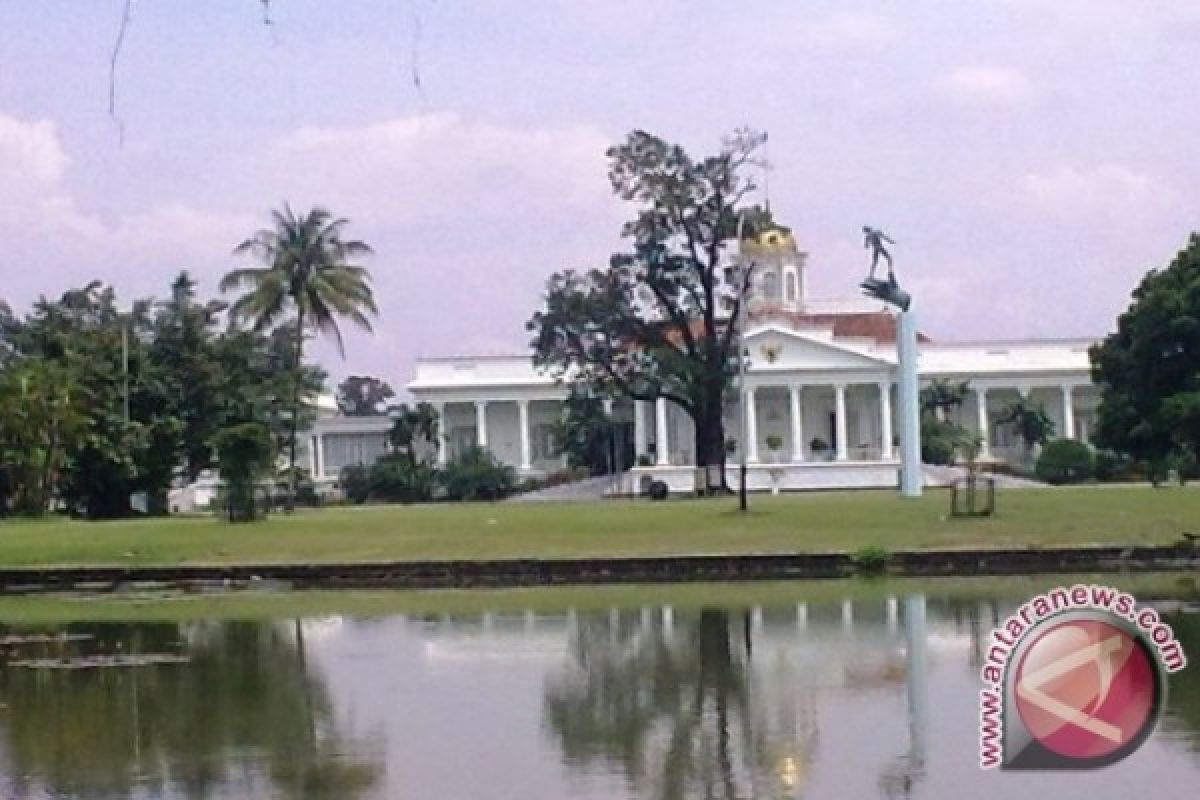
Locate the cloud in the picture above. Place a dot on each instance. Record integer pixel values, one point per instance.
(30, 153)
(61, 242)
(1115, 192)
(985, 85)
(440, 165)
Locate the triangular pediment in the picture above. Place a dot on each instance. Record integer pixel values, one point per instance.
(773, 347)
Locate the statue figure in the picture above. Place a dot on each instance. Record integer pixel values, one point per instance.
(874, 240)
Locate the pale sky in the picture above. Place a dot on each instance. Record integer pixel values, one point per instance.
(1032, 158)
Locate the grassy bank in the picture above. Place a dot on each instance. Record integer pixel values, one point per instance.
(178, 607)
(796, 523)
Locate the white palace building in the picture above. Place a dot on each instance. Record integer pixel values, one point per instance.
(820, 388)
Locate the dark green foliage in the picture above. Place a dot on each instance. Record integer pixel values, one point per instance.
(413, 429)
(1112, 466)
(478, 475)
(943, 396)
(653, 322)
(245, 456)
(1029, 422)
(395, 478)
(355, 482)
(1148, 371)
(363, 396)
(941, 441)
(43, 420)
(871, 559)
(186, 380)
(1065, 461)
(585, 432)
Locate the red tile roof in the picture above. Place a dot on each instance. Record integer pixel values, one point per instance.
(877, 325)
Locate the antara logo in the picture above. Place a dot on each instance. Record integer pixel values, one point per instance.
(1074, 679)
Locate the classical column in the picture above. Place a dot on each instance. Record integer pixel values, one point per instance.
(982, 419)
(839, 397)
(1068, 411)
(443, 435)
(523, 418)
(314, 464)
(751, 427)
(795, 391)
(639, 429)
(885, 420)
(660, 433)
(481, 433)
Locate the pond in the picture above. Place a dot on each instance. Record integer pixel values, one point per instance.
(807, 693)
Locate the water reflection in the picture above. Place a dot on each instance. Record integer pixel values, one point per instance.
(854, 698)
(243, 717)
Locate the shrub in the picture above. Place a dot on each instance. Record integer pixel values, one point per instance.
(397, 478)
(871, 559)
(478, 475)
(355, 483)
(941, 440)
(1065, 461)
(1111, 466)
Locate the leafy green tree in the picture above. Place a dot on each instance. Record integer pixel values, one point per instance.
(943, 396)
(245, 455)
(186, 343)
(307, 278)
(585, 432)
(82, 333)
(656, 322)
(413, 429)
(1029, 422)
(363, 396)
(42, 420)
(1148, 371)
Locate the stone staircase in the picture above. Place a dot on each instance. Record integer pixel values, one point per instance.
(577, 491)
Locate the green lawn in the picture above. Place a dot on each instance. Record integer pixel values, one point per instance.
(795, 523)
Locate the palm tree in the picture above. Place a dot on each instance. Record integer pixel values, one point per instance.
(307, 279)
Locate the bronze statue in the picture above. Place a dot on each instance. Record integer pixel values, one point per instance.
(874, 239)
(888, 291)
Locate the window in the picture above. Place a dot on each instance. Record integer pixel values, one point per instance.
(344, 449)
(770, 286)
(789, 283)
(542, 444)
(461, 440)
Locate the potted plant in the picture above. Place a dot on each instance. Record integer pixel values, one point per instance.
(774, 445)
(819, 447)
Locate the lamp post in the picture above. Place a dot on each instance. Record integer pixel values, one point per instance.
(124, 320)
